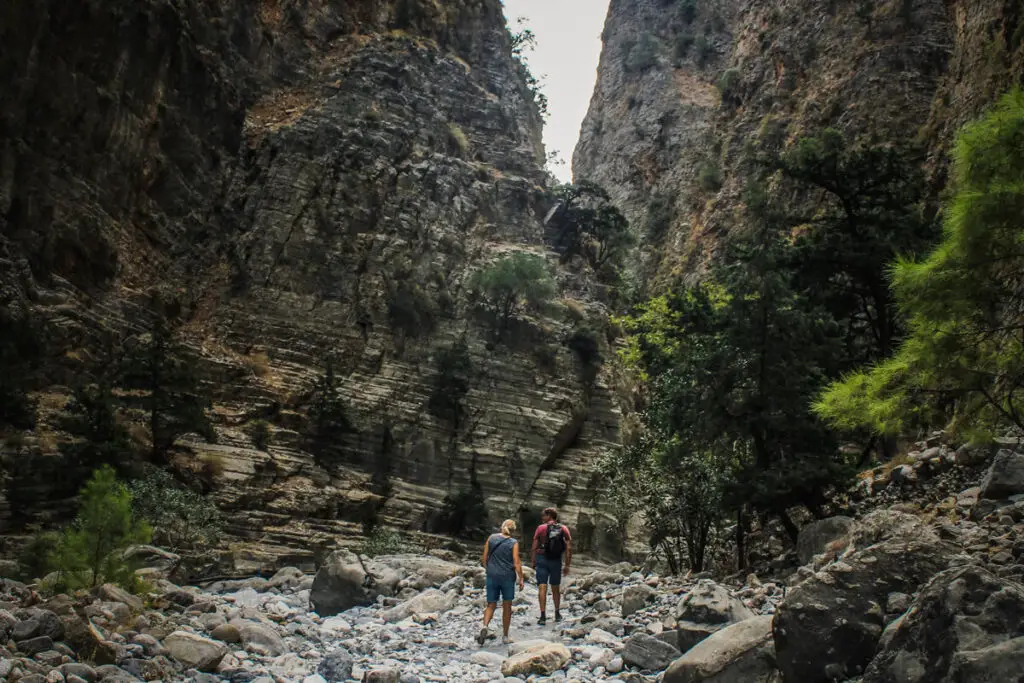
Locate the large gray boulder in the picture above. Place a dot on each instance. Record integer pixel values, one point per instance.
(649, 653)
(428, 572)
(342, 583)
(634, 598)
(7, 623)
(741, 653)
(707, 608)
(113, 593)
(432, 601)
(967, 626)
(543, 659)
(259, 638)
(829, 626)
(195, 651)
(336, 666)
(41, 623)
(816, 537)
(1005, 477)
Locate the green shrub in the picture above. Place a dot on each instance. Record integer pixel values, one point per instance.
(463, 513)
(411, 310)
(728, 84)
(659, 218)
(260, 434)
(327, 414)
(709, 175)
(511, 284)
(642, 55)
(447, 397)
(91, 551)
(36, 559)
(688, 10)
(684, 42)
(704, 50)
(91, 416)
(382, 541)
(458, 141)
(182, 519)
(585, 343)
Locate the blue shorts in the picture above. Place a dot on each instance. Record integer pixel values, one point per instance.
(549, 571)
(503, 590)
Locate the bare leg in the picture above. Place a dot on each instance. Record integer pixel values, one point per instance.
(489, 613)
(542, 591)
(506, 616)
(556, 595)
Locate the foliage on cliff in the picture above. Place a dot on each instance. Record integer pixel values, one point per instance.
(511, 285)
(91, 551)
(160, 373)
(734, 364)
(590, 226)
(964, 355)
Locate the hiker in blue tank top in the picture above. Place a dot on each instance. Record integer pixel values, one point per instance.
(501, 559)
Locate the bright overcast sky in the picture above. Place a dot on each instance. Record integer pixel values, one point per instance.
(568, 47)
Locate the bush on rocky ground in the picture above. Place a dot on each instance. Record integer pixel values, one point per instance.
(181, 519)
(512, 284)
(91, 550)
(382, 541)
(34, 561)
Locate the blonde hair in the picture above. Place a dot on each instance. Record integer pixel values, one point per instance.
(508, 527)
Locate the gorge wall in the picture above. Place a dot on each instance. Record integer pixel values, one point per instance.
(674, 153)
(308, 182)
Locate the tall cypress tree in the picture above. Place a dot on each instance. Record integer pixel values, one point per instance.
(162, 372)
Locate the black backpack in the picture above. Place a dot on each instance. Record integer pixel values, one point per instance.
(554, 541)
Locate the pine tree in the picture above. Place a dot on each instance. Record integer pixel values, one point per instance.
(447, 398)
(163, 373)
(328, 417)
(868, 212)
(733, 365)
(91, 551)
(964, 355)
(20, 353)
(91, 416)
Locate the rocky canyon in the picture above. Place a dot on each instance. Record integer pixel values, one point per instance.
(293, 315)
(308, 183)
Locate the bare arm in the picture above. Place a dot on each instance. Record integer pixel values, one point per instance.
(483, 558)
(533, 550)
(568, 553)
(519, 565)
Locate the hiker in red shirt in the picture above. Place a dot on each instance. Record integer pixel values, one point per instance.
(550, 543)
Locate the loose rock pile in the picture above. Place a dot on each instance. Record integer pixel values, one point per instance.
(926, 597)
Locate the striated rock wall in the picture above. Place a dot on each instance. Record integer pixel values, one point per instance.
(906, 72)
(294, 173)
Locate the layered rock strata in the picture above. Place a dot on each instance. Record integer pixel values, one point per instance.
(309, 182)
(688, 91)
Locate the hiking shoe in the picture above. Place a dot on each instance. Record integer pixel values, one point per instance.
(543, 619)
(506, 640)
(558, 615)
(484, 635)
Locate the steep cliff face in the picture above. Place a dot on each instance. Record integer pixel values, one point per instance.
(312, 182)
(686, 88)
